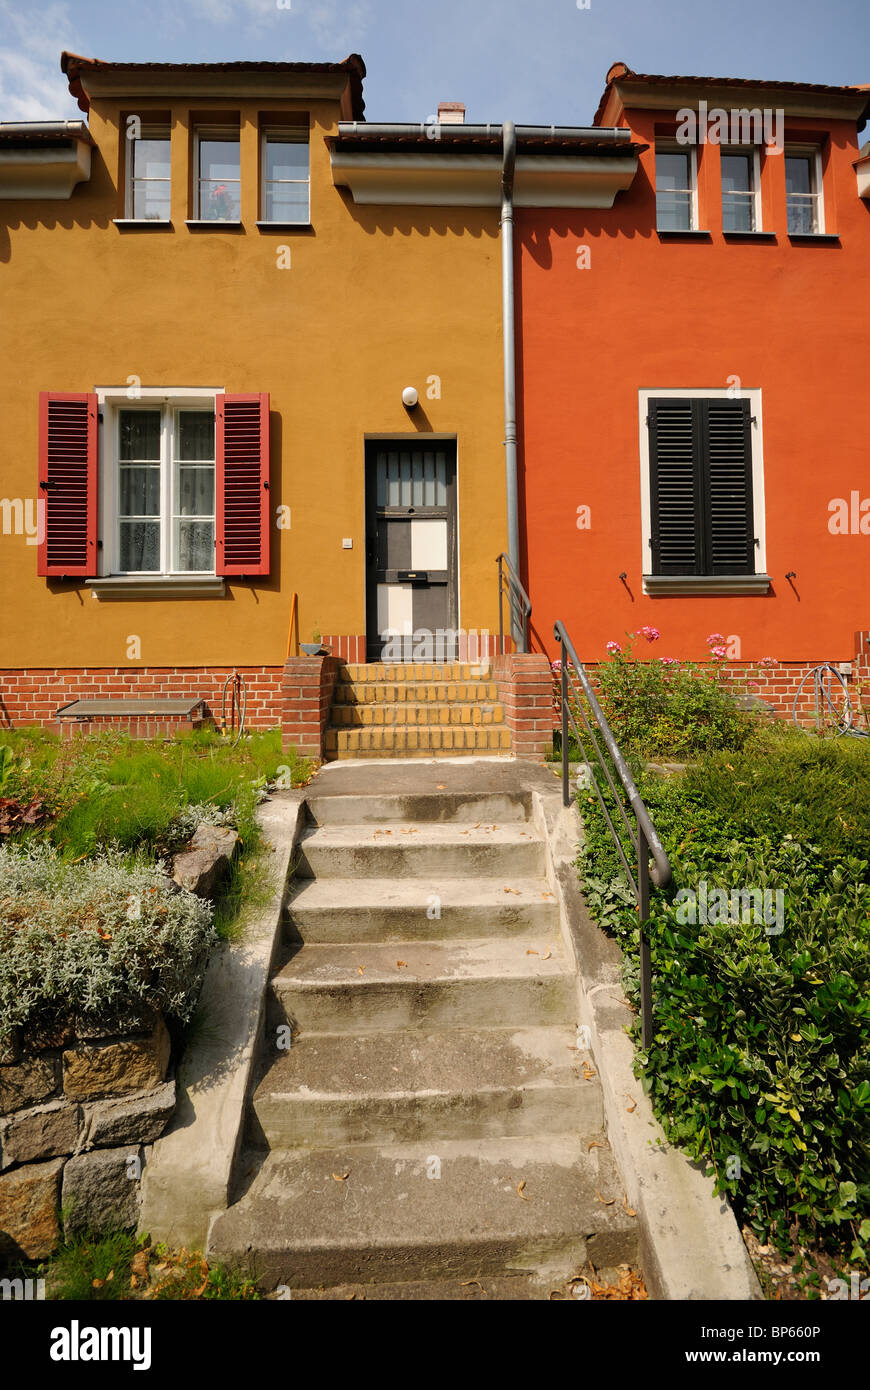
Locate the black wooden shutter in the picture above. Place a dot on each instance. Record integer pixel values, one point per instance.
(701, 486)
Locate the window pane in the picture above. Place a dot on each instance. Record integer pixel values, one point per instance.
(286, 159)
(151, 200)
(736, 177)
(219, 202)
(140, 434)
(802, 218)
(798, 177)
(195, 545)
(286, 202)
(140, 545)
(195, 492)
(218, 160)
(195, 435)
(672, 172)
(674, 211)
(150, 159)
(140, 491)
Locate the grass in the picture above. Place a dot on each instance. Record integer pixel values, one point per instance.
(120, 1266)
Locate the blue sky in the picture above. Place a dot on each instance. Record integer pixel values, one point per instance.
(530, 62)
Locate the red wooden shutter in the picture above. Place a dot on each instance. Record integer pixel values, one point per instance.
(242, 484)
(68, 483)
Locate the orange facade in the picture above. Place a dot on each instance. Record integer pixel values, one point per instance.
(611, 309)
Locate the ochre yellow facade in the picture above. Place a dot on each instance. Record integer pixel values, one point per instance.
(374, 299)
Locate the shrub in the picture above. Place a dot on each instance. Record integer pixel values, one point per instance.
(669, 708)
(99, 938)
(760, 1063)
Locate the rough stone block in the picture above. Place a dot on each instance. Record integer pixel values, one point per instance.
(29, 1210)
(43, 1132)
(117, 1068)
(203, 866)
(133, 1120)
(102, 1190)
(28, 1083)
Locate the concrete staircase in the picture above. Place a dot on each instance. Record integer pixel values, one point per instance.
(416, 711)
(433, 1131)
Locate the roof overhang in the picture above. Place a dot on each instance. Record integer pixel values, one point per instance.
(43, 159)
(462, 167)
(93, 79)
(628, 90)
(862, 169)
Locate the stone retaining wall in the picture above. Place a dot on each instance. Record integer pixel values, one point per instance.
(79, 1103)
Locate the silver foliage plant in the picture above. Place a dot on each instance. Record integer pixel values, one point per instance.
(97, 938)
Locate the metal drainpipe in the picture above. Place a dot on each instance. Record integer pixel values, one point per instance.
(510, 369)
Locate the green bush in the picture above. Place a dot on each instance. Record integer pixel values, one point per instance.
(100, 938)
(664, 708)
(760, 1063)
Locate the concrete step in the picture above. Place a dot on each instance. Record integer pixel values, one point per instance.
(446, 1209)
(440, 984)
(400, 716)
(416, 692)
(399, 672)
(403, 1087)
(422, 741)
(436, 805)
(388, 909)
(420, 849)
(509, 1288)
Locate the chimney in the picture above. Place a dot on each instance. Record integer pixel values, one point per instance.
(451, 112)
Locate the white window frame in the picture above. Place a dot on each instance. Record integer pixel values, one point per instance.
(754, 155)
(674, 147)
(286, 135)
(814, 154)
(701, 584)
(208, 132)
(111, 400)
(148, 132)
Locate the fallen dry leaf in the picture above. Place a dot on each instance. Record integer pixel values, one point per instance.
(521, 1190)
(594, 1145)
(531, 953)
(360, 970)
(547, 954)
(97, 1283)
(626, 1208)
(400, 963)
(342, 1177)
(630, 1109)
(603, 1200)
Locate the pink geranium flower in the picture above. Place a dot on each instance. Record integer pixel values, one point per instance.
(715, 640)
(613, 648)
(651, 634)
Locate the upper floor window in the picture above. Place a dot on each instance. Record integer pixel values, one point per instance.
(286, 176)
(218, 176)
(676, 189)
(148, 175)
(803, 190)
(741, 211)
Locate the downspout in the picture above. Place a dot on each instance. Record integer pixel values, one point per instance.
(508, 312)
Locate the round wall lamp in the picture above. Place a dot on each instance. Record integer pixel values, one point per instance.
(410, 397)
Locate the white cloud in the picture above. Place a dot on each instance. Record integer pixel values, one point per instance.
(335, 26)
(32, 86)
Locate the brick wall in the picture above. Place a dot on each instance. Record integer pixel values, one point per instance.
(33, 696)
(525, 689)
(307, 689)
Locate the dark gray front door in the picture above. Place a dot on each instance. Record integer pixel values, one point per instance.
(411, 550)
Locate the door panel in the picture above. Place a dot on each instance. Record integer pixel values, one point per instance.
(411, 551)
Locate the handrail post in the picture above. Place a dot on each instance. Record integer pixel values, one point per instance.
(500, 608)
(566, 793)
(646, 1021)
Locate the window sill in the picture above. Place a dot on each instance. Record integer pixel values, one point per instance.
(749, 236)
(157, 586)
(662, 584)
(799, 237)
(691, 234)
(286, 227)
(205, 224)
(143, 224)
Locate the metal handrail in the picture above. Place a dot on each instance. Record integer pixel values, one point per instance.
(519, 605)
(643, 835)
